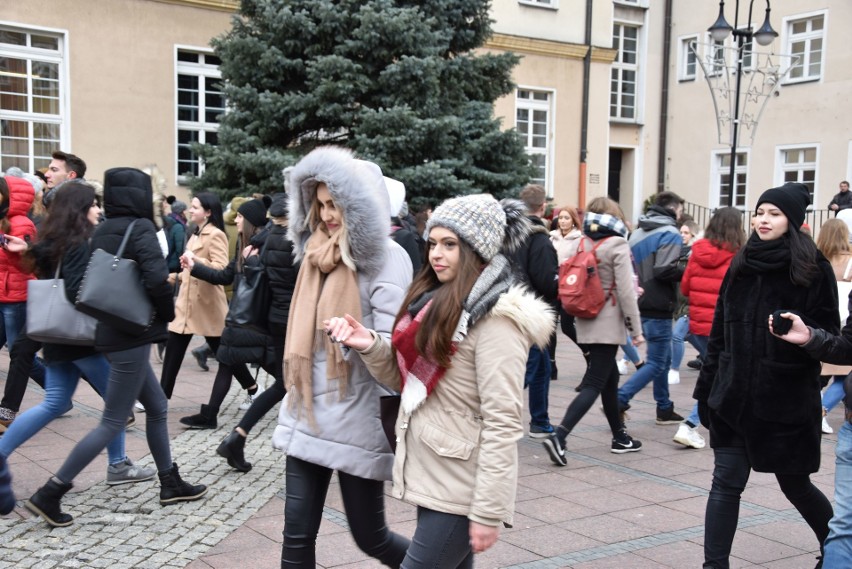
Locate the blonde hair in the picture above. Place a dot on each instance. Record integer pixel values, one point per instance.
(833, 239)
(606, 205)
(314, 220)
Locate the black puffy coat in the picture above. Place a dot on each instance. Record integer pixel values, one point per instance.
(764, 388)
(128, 195)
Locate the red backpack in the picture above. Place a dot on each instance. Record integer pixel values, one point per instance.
(580, 290)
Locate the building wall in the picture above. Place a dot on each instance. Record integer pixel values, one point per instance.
(810, 113)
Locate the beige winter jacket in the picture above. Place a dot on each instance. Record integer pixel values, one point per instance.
(457, 453)
(201, 307)
(614, 264)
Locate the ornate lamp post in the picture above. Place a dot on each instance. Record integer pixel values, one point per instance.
(764, 81)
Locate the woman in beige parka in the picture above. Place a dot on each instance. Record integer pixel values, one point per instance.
(458, 351)
(200, 307)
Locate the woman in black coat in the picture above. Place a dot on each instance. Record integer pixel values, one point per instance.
(127, 197)
(282, 270)
(758, 396)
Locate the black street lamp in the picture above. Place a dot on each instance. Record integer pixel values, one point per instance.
(719, 31)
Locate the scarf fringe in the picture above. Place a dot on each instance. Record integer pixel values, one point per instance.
(413, 394)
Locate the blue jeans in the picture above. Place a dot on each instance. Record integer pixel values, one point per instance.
(60, 382)
(658, 357)
(834, 393)
(14, 316)
(679, 334)
(538, 379)
(700, 343)
(630, 351)
(838, 545)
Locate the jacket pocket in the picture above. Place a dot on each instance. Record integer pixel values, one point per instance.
(786, 392)
(444, 443)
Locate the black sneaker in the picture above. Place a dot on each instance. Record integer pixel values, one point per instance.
(668, 417)
(694, 364)
(555, 450)
(623, 443)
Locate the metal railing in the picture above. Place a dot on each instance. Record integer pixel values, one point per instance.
(702, 214)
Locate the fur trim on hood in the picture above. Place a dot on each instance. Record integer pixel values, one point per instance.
(534, 317)
(358, 190)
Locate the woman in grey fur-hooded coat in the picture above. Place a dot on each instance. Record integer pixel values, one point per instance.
(330, 418)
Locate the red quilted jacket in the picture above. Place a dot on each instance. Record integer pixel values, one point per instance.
(701, 283)
(13, 280)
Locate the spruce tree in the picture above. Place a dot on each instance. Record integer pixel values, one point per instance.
(395, 80)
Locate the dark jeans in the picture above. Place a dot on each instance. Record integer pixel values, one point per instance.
(601, 378)
(537, 378)
(173, 358)
(730, 476)
(363, 502)
(23, 364)
(441, 541)
(273, 394)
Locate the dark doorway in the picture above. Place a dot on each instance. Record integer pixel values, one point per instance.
(613, 190)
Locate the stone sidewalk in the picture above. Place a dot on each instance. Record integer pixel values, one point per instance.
(640, 510)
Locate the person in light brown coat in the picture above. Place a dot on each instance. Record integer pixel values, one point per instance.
(458, 351)
(600, 337)
(200, 307)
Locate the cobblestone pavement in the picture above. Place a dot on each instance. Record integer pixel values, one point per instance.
(639, 510)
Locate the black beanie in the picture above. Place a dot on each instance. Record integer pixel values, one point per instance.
(792, 199)
(278, 207)
(255, 211)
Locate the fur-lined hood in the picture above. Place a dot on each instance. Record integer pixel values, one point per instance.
(358, 190)
(534, 317)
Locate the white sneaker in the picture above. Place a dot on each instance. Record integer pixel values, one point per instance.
(622, 366)
(826, 428)
(674, 377)
(139, 407)
(249, 399)
(688, 437)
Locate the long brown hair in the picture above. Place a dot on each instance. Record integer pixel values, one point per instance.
(435, 335)
(833, 239)
(725, 229)
(244, 239)
(573, 214)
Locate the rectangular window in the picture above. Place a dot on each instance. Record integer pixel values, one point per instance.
(723, 179)
(688, 68)
(541, 3)
(717, 57)
(32, 91)
(625, 69)
(800, 165)
(532, 121)
(805, 39)
(199, 103)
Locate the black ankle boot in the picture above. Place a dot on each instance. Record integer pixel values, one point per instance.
(232, 448)
(46, 502)
(173, 489)
(204, 420)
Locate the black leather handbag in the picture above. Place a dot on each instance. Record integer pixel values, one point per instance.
(250, 303)
(112, 291)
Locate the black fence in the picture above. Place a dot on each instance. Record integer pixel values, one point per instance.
(702, 214)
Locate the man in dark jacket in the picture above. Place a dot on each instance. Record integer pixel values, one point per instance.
(656, 246)
(537, 265)
(842, 199)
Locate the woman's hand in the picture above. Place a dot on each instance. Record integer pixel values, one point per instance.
(799, 333)
(482, 537)
(248, 251)
(15, 244)
(187, 260)
(348, 332)
(638, 340)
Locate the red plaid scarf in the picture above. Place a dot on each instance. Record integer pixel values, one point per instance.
(419, 374)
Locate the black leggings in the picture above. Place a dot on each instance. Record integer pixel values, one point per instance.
(363, 501)
(601, 378)
(173, 358)
(730, 476)
(273, 395)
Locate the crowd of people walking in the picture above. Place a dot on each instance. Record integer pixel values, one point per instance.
(399, 349)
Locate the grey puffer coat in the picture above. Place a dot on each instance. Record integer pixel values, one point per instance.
(347, 433)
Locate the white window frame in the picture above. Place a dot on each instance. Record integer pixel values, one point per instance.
(548, 4)
(548, 151)
(717, 53)
(687, 56)
(782, 167)
(633, 3)
(789, 39)
(635, 68)
(34, 160)
(717, 171)
(203, 71)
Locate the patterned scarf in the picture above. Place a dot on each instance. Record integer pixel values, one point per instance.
(325, 287)
(420, 375)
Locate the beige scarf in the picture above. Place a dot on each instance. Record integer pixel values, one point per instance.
(325, 287)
